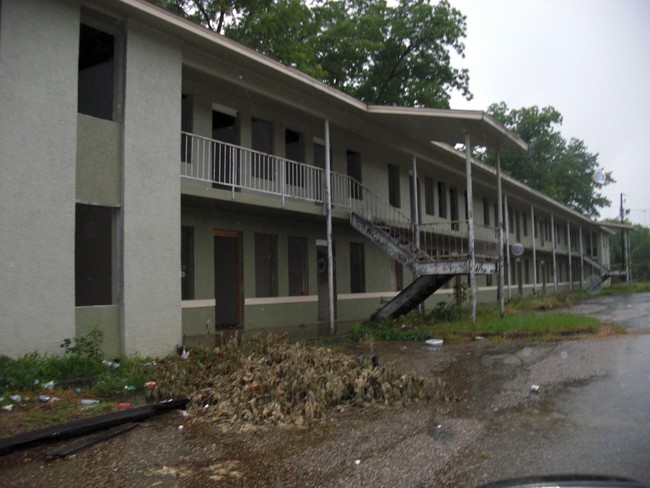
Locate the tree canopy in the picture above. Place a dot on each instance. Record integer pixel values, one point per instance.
(639, 250)
(552, 165)
(380, 54)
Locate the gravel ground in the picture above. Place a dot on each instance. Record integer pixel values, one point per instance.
(474, 390)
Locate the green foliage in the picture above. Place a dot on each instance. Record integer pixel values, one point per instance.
(88, 346)
(379, 53)
(639, 248)
(554, 166)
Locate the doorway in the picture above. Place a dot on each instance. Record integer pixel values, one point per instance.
(227, 279)
(224, 156)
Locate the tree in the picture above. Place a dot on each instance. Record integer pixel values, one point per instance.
(377, 53)
(552, 165)
(639, 252)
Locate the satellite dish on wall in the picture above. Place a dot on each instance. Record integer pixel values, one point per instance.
(599, 177)
(517, 249)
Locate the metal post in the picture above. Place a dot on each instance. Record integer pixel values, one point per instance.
(628, 262)
(500, 227)
(416, 200)
(582, 258)
(568, 243)
(507, 225)
(554, 260)
(532, 219)
(470, 223)
(328, 213)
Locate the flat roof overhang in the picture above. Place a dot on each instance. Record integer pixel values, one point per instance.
(261, 73)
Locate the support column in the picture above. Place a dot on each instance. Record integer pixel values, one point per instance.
(628, 261)
(328, 214)
(532, 219)
(500, 227)
(582, 258)
(554, 257)
(416, 200)
(568, 243)
(470, 223)
(507, 225)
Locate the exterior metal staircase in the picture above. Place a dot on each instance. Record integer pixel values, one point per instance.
(403, 242)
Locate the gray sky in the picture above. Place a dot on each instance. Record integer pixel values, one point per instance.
(590, 59)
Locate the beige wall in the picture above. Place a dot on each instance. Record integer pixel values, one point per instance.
(38, 128)
(151, 305)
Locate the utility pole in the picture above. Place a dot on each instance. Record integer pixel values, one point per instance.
(622, 217)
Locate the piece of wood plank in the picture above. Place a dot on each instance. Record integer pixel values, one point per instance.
(87, 426)
(90, 441)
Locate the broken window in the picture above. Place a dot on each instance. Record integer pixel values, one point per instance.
(393, 185)
(93, 255)
(428, 196)
(266, 265)
(357, 268)
(297, 254)
(96, 75)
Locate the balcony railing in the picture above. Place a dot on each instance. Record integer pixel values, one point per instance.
(238, 169)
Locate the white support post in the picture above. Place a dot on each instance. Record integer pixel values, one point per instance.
(582, 258)
(532, 219)
(328, 213)
(554, 257)
(416, 200)
(500, 227)
(568, 243)
(507, 225)
(470, 223)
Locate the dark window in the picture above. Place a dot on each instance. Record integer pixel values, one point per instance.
(224, 164)
(298, 280)
(517, 226)
(96, 75)
(354, 171)
(428, 196)
(524, 223)
(294, 152)
(186, 126)
(393, 185)
(357, 268)
(262, 141)
(486, 211)
(266, 265)
(453, 208)
(93, 255)
(442, 200)
(187, 263)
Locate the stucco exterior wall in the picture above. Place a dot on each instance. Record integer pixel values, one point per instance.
(151, 299)
(38, 127)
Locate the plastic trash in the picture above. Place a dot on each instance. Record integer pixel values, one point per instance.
(88, 401)
(434, 342)
(47, 399)
(534, 388)
(111, 364)
(124, 405)
(479, 338)
(184, 413)
(150, 384)
(357, 462)
(15, 398)
(49, 385)
(130, 388)
(7, 408)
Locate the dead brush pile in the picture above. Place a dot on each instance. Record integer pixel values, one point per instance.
(269, 381)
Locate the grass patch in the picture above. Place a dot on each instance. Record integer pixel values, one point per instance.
(538, 316)
(624, 288)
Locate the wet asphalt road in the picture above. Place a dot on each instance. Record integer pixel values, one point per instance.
(592, 426)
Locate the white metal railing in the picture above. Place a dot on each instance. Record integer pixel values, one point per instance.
(240, 169)
(237, 168)
(444, 240)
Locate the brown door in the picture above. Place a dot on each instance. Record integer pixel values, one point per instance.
(227, 279)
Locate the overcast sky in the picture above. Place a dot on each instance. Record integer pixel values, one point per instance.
(590, 59)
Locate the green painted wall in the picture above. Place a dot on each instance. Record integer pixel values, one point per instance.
(107, 318)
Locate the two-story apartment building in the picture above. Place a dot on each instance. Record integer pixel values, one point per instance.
(161, 181)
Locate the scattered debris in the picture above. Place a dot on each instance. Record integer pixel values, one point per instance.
(8, 408)
(90, 441)
(124, 405)
(88, 401)
(15, 398)
(272, 382)
(434, 342)
(49, 385)
(111, 364)
(534, 388)
(47, 399)
(357, 462)
(479, 338)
